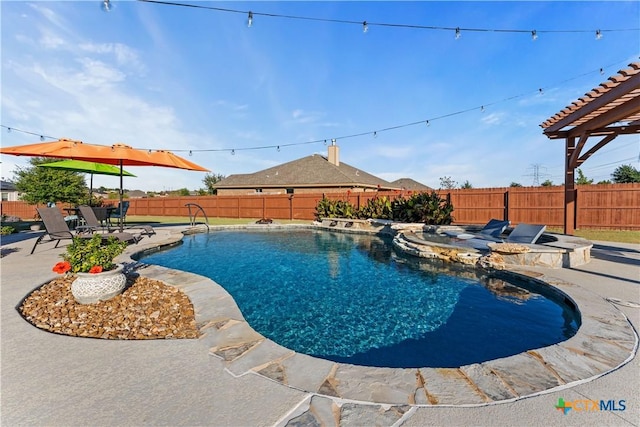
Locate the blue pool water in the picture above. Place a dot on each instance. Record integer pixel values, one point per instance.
(351, 298)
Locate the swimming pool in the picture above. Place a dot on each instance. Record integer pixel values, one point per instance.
(350, 298)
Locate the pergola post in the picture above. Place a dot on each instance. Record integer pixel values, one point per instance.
(569, 188)
(607, 111)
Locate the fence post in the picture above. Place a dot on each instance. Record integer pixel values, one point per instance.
(575, 208)
(291, 207)
(506, 206)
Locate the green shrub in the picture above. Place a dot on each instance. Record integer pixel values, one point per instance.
(7, 229)
(427, 208)
(85, 254)
(327, 208)
(378, 208)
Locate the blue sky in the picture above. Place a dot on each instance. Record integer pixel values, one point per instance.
(166, 77)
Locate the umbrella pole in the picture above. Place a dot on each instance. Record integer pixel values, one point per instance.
(90, 188)
(121, 198)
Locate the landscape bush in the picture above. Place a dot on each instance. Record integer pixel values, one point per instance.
(427, 208)
(7, 229)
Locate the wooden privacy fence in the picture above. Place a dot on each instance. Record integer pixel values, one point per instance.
(605, 206)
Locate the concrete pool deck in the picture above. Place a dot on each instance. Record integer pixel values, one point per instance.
(57, 380)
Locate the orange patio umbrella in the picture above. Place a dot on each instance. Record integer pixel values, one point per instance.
(117, 154)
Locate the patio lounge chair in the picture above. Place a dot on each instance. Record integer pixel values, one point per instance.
(492, 230)
(94, 224)
(526, 233)
(120, 213)
(91, 221)
(521, 233)
(57, 229)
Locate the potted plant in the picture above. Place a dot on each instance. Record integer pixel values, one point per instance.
(98, 277)
(37, 224)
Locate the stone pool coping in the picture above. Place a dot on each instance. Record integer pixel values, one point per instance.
(552, 251)
(604, 342)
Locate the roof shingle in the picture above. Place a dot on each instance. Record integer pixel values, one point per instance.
(310, 171)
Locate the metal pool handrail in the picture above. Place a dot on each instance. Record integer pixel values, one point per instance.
(192, 217)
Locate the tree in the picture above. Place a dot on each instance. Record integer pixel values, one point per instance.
(625, 173)
(466, 185)
(582, 180)
(604, 181)
(44, 185)
(210, 180)
(447, 183)
(515, 184)
(547, 183)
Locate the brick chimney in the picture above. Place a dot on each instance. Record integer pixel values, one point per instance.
(334, 153)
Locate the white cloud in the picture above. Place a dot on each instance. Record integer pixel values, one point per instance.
(124, 55)
(51, 41)
(300, 116)
(493, 118)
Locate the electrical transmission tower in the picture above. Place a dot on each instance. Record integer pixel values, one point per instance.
(537, 174)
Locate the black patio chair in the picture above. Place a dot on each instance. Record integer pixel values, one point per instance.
(93, 223)
(120, 213)
(57, 229)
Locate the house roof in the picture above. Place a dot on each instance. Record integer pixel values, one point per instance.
(7, 186)
(410, 184)
(310, 171)
(136, 194)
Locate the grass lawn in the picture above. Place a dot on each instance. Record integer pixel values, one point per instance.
(622, 236)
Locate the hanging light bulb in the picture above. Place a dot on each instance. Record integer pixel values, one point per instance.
(365, 27)
(534, 35)
(598, 34)
(41, 137)
(540, 90)
(106, 6)
(375, 134)
(278, 148)
(601, 71)
(458, 34)
(190, 153)
(482, 109)
(8, 130)
(333, 141)
(250, 19)
(325, 142)
(427, 123)
(233, 152)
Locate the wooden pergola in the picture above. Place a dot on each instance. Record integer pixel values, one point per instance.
(609, 110)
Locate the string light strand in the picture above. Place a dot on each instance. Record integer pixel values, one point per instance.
(365, 25)
(373, 133)
(41, 136)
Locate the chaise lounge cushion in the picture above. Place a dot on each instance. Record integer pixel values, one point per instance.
(492, 230)
(526, 233)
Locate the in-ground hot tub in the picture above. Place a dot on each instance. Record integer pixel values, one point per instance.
(550, 250)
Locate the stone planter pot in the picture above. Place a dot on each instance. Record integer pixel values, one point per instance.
(91, 288)
(35, 227)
